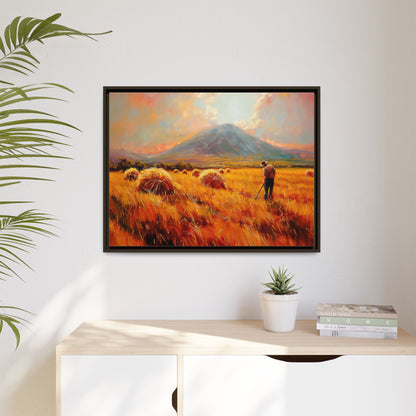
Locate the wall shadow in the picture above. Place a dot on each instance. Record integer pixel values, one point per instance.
(28, 376)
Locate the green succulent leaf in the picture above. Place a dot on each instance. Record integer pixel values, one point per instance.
(281, 282)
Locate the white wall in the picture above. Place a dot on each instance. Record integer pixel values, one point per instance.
(362, 54)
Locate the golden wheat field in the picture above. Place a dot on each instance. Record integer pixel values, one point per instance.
(197, 215)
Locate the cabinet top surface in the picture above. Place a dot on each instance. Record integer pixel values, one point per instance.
(220, 337)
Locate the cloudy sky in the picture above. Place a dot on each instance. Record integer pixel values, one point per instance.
(153, 122)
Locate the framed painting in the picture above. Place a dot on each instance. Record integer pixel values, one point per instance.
(211, 168)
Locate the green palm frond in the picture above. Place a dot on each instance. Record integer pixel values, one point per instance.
(15, 238)
(28, 134)
(29, 139)
(22, 31)
(13, 320)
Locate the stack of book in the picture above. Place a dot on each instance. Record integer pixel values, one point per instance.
(357, 321)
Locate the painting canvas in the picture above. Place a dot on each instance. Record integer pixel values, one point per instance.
(205, 168)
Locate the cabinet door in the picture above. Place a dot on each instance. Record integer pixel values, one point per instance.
(353, 385)
(117, 385)
(259, 385)
(233, 386)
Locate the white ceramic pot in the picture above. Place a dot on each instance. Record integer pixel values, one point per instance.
(279, 311)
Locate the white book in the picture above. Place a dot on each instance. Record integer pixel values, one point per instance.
(357, 334)
(356, 328)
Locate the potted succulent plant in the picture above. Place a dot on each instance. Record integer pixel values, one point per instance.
(280, 301)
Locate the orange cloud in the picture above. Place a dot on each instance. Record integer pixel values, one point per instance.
(142, 100)
(154, 122)
(282, 118)
(250, 125)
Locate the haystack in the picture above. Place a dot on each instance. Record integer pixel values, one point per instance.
(176, 171)
(221, 171)
(131, 174)
(228, 170)
(155, 180)
(212, 179)
(185, 172)
(196, 173)
(309, 173)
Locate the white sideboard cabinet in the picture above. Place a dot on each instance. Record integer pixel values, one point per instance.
(223, 368)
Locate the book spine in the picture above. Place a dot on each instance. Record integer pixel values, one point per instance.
(389, 329)
(356, 334)
(335, 320)
(380, 315)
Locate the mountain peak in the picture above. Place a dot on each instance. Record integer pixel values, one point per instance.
(226, 126)
(222, 140)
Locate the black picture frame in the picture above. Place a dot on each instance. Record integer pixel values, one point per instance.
(311, 248)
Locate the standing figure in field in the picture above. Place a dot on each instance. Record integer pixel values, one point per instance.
(269, 173)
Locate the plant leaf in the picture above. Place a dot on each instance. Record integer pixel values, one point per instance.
(2, 46)
(13, 30)
(22, 137)
(44, 24)
(7, 37)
